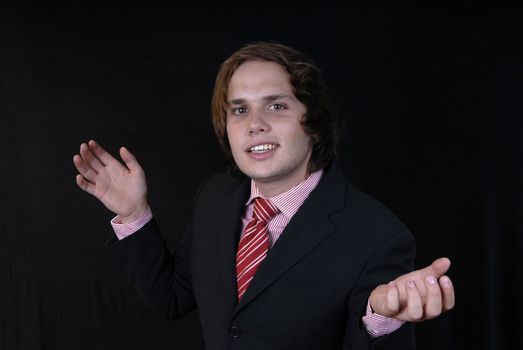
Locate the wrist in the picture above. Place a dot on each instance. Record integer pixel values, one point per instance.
(137, 214)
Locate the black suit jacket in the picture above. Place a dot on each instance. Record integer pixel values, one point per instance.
(309, 293)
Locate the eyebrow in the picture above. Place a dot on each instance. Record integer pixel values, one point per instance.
(270, 98)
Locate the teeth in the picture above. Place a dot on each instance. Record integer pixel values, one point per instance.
(262, 148)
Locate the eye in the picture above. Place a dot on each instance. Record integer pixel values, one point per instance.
(239, 110)
(277, 106)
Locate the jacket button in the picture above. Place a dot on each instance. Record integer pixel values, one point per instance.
(235, 332)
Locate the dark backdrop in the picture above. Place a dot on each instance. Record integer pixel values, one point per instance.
(431, 99)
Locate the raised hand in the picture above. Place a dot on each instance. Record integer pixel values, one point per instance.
(417, 296)
(121, 188)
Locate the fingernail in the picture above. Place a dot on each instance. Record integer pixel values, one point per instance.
(446, 281)
(431, 279)
(411, 283)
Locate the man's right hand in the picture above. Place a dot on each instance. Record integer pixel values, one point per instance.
(121, 188)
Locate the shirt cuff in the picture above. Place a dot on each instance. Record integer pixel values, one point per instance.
(123, 230)
(378, 325)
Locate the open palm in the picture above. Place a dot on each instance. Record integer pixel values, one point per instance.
(122, 188)
(416, 296)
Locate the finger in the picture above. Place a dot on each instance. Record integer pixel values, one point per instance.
(438, 268)
(433, 303)
(89, 158)
(417, 277)
(422, 288)
(84, 169)
(130, 160)
(414, 306)
(447, 293)
(393, 299)
(84, 184)
(104, 156)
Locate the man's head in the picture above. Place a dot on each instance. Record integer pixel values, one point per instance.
(308, 87)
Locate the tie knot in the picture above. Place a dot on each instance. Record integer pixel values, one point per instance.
(264, 210)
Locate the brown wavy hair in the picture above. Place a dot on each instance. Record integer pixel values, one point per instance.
(320, 120)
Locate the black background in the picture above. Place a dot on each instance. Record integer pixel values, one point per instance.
(432, 102)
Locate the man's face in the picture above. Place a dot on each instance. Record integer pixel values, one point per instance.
(267, 140)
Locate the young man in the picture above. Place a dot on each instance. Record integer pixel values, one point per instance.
(288, 254)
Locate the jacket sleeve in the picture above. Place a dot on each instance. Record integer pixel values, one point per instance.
(394, 258)
(162, 278)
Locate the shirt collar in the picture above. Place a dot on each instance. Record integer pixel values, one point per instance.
(291, 200)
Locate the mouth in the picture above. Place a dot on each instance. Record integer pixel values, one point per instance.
(266, 147)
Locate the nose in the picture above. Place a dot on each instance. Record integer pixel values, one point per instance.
(258, 123)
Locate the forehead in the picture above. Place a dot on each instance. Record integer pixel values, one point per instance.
(254, 78)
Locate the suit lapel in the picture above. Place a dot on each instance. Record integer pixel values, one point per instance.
(227, 227)
(307, 229)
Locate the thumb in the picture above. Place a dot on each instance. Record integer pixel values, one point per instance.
(439, 267)
(130, 160)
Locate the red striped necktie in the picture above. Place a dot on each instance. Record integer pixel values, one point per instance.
(254, 243)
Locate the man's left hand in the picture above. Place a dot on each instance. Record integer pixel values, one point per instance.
(416, 296)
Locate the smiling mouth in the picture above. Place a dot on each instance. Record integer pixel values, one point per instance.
(262, 148)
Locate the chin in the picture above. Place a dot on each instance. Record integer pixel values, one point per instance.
(259, 176)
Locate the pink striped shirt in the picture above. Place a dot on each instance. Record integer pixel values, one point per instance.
(288, 203)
